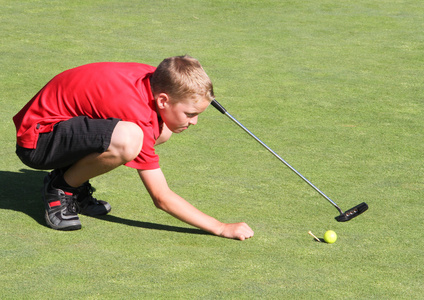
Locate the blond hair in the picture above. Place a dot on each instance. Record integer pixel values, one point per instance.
(181, 77)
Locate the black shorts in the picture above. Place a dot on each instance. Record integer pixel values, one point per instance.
(69, 142)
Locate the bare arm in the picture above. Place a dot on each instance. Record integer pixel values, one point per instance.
(165, 199)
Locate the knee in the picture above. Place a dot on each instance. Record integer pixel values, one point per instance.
(127, 141)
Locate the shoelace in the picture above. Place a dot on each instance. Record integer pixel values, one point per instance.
(70, 202)
(85, 195)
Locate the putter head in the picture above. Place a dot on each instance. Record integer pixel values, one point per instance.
(353, 212)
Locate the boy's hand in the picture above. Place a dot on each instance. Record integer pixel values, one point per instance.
(240, 231)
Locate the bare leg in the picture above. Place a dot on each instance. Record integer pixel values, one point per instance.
(125, 145)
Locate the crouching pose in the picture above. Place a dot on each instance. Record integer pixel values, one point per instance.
(91, 119)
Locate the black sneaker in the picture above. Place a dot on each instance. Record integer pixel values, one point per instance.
(85, 203)
(61, 213)
(88, 205)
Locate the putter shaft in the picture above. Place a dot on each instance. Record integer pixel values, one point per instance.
(224, 111)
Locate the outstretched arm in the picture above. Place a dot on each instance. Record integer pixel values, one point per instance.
(165, 199)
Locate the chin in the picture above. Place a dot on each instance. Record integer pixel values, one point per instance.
(181, 129)
(178, 130)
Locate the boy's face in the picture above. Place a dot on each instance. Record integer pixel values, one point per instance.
(180, 115)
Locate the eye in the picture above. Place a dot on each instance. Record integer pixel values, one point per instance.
(191, 115)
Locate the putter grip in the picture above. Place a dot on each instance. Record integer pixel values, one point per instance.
(218, 106)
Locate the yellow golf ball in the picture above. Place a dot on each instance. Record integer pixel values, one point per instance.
(330, 236)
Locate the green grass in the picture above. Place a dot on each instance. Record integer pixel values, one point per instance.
(334, 87)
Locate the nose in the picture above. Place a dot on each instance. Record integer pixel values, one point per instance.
(193, 121)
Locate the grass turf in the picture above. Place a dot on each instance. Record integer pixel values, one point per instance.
(333, 87)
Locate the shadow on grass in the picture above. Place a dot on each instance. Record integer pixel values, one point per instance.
(148, 225)
(21, 191)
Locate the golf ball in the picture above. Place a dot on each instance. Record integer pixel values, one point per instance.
(330, 236)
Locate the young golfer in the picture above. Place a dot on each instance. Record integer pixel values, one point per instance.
(91, 119)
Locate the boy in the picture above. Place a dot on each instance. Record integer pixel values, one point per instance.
(91, 119)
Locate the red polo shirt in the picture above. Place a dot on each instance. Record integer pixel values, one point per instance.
(98, 91)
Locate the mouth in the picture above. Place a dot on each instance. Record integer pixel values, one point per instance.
(181, 129)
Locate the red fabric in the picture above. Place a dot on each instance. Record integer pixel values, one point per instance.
(98, 91)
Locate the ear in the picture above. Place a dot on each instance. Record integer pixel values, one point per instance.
(162, 101)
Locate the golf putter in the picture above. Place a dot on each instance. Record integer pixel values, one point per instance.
(343, 217)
